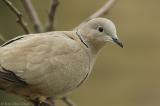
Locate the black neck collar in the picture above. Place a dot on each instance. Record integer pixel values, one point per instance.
(80, 37)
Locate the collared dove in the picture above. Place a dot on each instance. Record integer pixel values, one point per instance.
(52, 64)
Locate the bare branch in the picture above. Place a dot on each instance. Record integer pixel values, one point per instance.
(18, 14)
(68, 101)
(51, 15)
(32, 15)
(103, 10)
(2, 38)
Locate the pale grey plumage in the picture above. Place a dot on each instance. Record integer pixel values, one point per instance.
(54, 63)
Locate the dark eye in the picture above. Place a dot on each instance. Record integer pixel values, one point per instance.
(100, 29)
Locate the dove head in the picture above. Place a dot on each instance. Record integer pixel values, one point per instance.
(97, 32)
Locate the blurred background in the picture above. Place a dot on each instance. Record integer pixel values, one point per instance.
(121, 77)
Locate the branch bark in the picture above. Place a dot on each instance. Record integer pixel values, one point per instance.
(51, 15)
(32, 15)
(18, 14)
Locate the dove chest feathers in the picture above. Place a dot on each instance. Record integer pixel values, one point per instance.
(72, 65)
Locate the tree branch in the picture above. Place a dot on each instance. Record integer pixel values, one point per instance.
(51, 15)
(103, 10)
(68, 101)
(32, 15)
(2, 38)
(18, 14)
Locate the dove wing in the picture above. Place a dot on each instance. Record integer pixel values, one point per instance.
(29, 60)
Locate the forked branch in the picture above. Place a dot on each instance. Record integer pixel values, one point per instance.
(18, 14)
(32, 15)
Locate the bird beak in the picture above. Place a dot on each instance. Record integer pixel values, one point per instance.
(118, 42)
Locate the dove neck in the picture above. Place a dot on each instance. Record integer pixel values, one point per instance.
(89, 41)
(91, 53)
(81, 39)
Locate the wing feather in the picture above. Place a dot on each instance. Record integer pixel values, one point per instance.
(25, 60)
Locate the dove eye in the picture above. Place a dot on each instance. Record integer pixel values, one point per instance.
(100, 29)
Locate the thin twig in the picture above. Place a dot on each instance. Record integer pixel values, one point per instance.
(32, 15)
(51, 15)
(2, 38)
(18, 14)
(103, 10)
(67, 101)
(100, 12)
